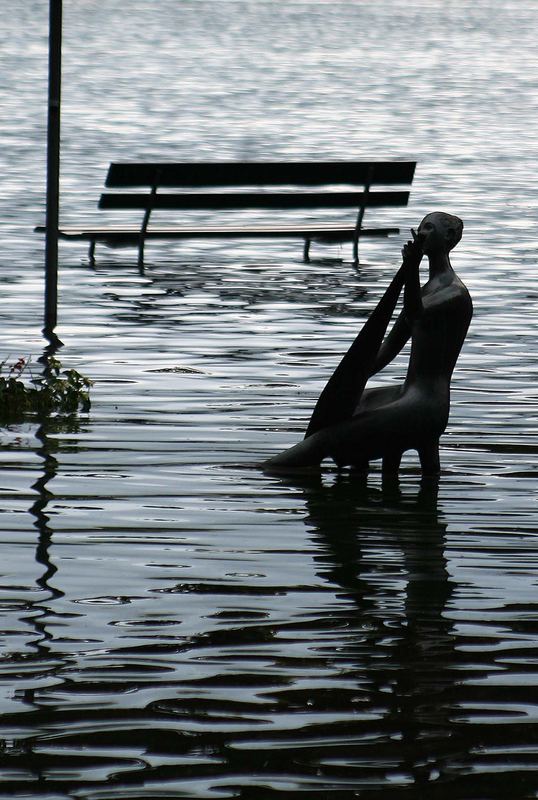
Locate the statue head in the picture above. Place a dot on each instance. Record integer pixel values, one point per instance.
(439, 232)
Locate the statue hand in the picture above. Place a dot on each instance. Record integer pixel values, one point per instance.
(412, 252)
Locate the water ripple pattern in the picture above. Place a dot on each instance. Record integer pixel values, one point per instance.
(175, 623)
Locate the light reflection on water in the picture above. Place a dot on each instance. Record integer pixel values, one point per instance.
(176, 623)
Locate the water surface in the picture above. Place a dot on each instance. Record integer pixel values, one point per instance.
(176, 623)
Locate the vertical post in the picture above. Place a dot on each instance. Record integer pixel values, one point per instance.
(145, 221)
(53, 168)
(358, 225)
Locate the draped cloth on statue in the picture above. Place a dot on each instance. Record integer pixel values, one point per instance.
(341, 395)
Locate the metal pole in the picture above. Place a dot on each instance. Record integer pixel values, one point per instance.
(53, 169)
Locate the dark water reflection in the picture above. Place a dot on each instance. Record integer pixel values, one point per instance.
(397, 646)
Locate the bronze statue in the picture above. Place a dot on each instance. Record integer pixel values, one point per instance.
(353, 425)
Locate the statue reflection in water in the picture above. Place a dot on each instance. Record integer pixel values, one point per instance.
(383, 551)
(352, 424)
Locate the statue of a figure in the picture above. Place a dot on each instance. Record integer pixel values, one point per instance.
(353, 425)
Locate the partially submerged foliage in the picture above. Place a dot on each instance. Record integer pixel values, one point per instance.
(54, 391)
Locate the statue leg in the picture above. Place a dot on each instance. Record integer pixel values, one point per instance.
(429, 458)
(391, 463)
(361, 466)
(385, 431)
(306, 453)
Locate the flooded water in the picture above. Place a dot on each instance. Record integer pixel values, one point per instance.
(174, 622)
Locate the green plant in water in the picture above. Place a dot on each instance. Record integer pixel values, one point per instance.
(55, 391)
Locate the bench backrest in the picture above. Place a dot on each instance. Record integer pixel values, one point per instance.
(235, 173)
(215, 175)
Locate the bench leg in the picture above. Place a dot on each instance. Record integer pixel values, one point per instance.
(306, 250)
(141, 254)
(356, 250)
(91, 253)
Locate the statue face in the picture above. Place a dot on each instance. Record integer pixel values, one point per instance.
(439, 232)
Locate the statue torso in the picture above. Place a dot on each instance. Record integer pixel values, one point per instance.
(438, 334)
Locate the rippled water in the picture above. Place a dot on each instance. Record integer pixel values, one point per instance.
(174, 622)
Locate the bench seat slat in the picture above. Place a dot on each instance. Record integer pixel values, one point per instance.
(243, 200)
(131, 233)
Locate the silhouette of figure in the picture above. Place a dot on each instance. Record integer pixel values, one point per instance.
(353, 425)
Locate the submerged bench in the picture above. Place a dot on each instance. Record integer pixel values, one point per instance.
(257, 181)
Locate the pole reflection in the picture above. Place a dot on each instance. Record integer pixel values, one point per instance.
(47, 592)
(46, 451)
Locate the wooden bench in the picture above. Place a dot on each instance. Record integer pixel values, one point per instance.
(256, 181)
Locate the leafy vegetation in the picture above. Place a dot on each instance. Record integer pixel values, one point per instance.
(54, 391)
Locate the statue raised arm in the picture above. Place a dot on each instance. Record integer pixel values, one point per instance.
(354, 425)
